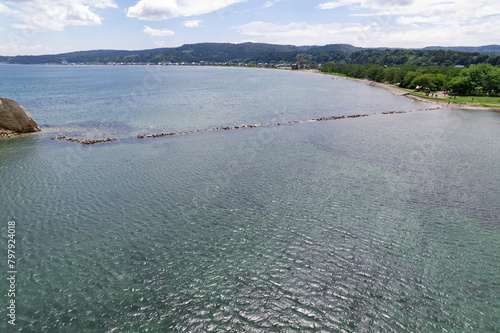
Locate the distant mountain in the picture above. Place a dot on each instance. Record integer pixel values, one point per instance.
(212, 52)
(223, 52)
(273, 53)
(425, 58)
(487, 49)
(347, 48)
(79, 56)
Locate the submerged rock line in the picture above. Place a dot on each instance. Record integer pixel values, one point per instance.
(225, 128)
(83, 141)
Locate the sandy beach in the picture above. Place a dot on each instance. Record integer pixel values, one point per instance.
(402, 92)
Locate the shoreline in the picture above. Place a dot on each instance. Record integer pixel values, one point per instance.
(402, 92)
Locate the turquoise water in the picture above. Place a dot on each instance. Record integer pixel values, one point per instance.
(387, 223)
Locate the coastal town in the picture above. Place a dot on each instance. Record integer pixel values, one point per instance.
(281, 65)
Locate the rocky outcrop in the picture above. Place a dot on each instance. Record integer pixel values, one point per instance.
(14, 119)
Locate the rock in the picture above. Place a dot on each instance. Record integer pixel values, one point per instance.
(83, 141)
(15, 119)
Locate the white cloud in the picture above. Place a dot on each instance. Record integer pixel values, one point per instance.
(103, 3)
(397, 31)
(270, 3)
(158, 33)
(157, 10)
(391, 23)
(55, 14)
(418, 35)
(12, 49)
(293, 33)
(425, 8)
(192, 23)
(336, 4)
(407, 20)
(160, 43)
(21, 26)
(438, 23)
(4, 9)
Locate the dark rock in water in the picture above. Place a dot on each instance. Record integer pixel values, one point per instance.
(14, 119)
(270, 124)
(83, 141)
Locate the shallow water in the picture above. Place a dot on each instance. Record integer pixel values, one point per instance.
(384, 223)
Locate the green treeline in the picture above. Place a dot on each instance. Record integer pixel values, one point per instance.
(477, 79)
(422, 57)
(387, 57)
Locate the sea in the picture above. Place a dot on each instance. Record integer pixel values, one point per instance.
(384, 223)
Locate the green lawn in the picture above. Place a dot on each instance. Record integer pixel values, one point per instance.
(492, 102)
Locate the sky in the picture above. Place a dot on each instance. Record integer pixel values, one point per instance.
(32, 27)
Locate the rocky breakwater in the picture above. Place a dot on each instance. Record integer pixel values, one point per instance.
(14, 119)
(158, 135)
(83, 141)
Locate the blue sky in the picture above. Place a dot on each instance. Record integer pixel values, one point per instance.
(54, 26)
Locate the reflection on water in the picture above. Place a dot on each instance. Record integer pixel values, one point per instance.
(385, 223)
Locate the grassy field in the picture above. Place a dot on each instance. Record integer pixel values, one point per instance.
(493, 101)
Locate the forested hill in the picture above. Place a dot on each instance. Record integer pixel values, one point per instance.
(487, 49)
(385, 57)
(210, 52)
(421, 57)
(255, 53)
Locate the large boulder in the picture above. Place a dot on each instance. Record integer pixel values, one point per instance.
(15, 119)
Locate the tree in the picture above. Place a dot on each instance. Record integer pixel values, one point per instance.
(391, 74)
(477, 78)
(485, 76)
(375, 73)
(425, 81)
(460, 84)
(408, 78)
